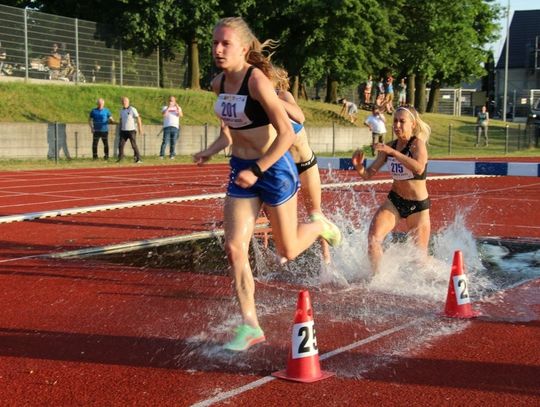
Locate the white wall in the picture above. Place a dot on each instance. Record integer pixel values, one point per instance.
(36, 140)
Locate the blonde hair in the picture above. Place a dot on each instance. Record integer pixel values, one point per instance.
(280, 78)
(422, 129)
(257, 54)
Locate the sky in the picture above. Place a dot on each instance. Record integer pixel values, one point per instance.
(514, 5)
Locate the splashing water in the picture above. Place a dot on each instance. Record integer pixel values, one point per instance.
(407, 286)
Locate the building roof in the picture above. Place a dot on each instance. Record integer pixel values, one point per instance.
(524, 29)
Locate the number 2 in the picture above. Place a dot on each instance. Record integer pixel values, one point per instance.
(460, 287)
(304, 343)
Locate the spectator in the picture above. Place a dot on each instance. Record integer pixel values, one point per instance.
(99, 120)
(171, 127)
(389, 94)
(379, 96)
(54, 62)
(68, 70)
(377, 125)
(482, 122)
(367, 91)
(128, 130)
(402, 92)
(348, 110)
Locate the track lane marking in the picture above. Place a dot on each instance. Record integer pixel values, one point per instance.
(134, 204)
(267, 379)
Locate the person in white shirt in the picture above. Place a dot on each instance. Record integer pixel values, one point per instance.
(128, 129)
(377, 124)
(172, 113)
(348, 110)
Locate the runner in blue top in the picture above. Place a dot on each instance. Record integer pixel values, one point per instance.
(302, 154)
(99, 120)
(256, 126)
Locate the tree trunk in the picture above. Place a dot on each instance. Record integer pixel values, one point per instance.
(434, 93)
(410, 88)
(331, 90)
(295, 86)
(193, 65)
(420, 94)
(303, 93)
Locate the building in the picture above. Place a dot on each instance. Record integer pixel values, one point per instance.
(523, 64)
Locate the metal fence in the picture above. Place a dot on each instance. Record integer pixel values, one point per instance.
(456, 101)
(519, 103)
(465, 139)
(39, 46)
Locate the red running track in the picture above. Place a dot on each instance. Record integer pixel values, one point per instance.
(88, 332)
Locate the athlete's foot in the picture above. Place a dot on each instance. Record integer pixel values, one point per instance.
(245, 337)
(331, 232)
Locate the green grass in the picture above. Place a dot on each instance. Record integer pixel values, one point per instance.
(21, 102)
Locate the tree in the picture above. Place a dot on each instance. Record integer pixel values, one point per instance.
(449, 40)
(330, 41)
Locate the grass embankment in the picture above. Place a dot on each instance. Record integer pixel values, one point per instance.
(67, 103)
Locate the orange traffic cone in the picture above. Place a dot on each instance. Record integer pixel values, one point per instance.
(303, 362)
(458, 301)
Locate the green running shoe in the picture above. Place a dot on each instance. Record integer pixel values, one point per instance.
(245, 337)
(331, 232)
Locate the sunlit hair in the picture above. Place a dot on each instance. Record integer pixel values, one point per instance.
(280, 78)
(258, 54)
(422, 129)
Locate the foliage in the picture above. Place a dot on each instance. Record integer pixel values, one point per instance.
(447, 39)
(339, 40)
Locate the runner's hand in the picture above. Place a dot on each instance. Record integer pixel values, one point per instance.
(201, 157)
(358, 160)
(245, 179)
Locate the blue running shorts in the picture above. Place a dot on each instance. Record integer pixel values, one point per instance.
(278, 185)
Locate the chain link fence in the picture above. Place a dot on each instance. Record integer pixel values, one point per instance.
(38, 46)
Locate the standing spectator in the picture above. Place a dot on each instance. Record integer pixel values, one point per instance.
(171, 127)
(100, 117)
(402, 92)
(379, 94)
(482, 122)
(348, 110)
(367, 91)
(377, 125)
(389, 94)
(128, 131)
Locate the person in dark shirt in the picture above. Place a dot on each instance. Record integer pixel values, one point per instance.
(99, 120)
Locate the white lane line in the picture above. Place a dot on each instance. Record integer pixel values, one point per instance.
(258, 383)
(106, 207)
(133, 204)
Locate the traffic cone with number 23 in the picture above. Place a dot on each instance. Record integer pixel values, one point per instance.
(458, 301)
(303, 362)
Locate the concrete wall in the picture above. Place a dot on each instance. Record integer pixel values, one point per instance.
(37, 140)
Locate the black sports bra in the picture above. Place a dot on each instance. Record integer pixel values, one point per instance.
(398, 170)
(240, 111)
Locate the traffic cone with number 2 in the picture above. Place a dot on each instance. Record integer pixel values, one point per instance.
(303, 362)
(458, 301)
